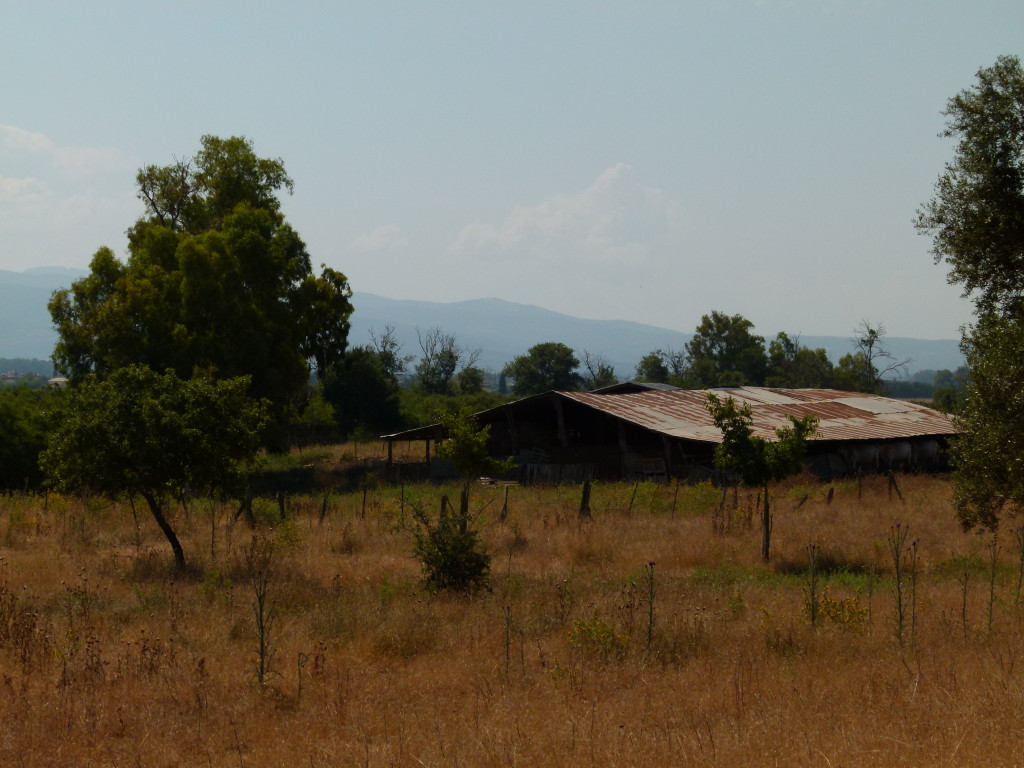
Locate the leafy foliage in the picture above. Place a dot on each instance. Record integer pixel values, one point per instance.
(791, 364)
(26, 418)
(987, 454)
(441, 356)
(216, 283)
(450, 550)
(976, 216)
(419, 410)
(363, 394)
(142, 432)
(466, 446)
(653, 368)
(976, 222)
(753, 459)
(545, 367)
(439, 359)
(725, 352)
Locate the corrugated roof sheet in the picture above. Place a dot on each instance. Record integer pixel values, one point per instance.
(841, 415)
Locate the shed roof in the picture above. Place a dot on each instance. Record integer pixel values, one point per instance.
(841, 415)
(683, 414)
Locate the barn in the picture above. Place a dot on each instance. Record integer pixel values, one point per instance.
(635, 430)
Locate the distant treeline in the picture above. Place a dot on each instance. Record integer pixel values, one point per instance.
(22, 365)
(944, 388)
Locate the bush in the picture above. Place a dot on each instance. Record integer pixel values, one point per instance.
(451, 552)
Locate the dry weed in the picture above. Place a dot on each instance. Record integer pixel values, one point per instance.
(576, 657)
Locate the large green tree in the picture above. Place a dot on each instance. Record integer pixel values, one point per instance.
(976, 221)
(790, 364)
(216, 282)
(546, 366)
(363, 393)
(725, 352)
(653, 368)
(976, 216)
(153, 434)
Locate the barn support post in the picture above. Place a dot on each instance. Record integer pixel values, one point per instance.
(623, 448)
(666, 449)
(563, 433)
(512, 434)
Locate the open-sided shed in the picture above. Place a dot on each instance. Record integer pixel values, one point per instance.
(660, 433)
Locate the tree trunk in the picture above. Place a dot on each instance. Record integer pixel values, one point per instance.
(766, 526)
(158, 515)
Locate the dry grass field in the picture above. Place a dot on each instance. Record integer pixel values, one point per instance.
(649, 635)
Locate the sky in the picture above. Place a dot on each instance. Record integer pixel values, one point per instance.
(645, 161)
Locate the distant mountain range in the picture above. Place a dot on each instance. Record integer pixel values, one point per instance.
(500, 329)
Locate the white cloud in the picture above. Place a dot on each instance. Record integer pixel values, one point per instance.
(384, 237)
(60, 202)
(20, 191)
(20, 146)
(616, 220)
(20, 140)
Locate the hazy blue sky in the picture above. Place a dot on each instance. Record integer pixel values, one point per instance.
(647, 161)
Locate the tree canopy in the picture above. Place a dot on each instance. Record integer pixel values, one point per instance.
(653, 368)
(725, 352)
(147, 433)
(26, 418)
(546, 366)
(363, 393)
(216, 283)
(976, 216)
(790, 364)
(976, 221)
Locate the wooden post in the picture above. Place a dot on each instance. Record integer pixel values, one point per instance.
(894, 486)
(675, 497)
(323, 507)
(629, 509)
(585, 500)
(504, 507)
(362, 513)
(280, 504)
(464, 509)
(831, 493)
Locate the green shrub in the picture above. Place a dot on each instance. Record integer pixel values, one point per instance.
(450, 550)
(597, 639)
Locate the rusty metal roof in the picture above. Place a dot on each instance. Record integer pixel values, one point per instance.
(841, 415)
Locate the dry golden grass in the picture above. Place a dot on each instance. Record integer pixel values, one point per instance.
(107, 658)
